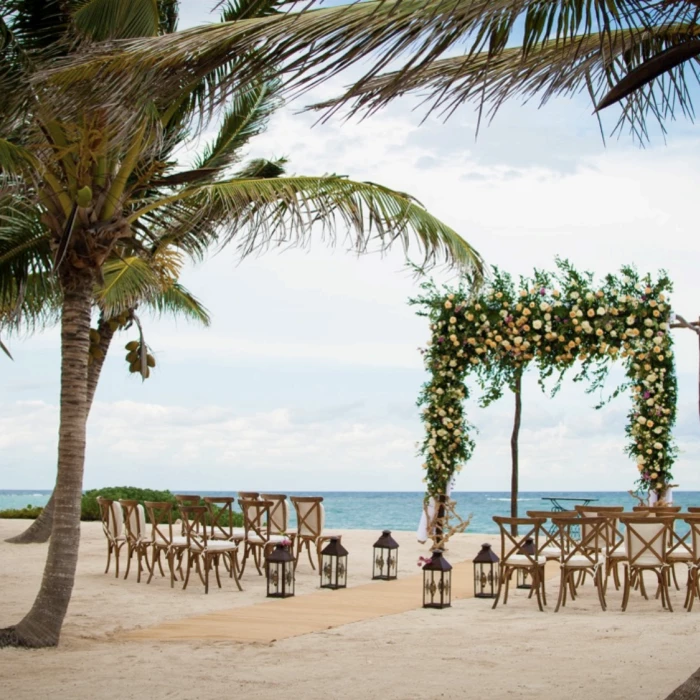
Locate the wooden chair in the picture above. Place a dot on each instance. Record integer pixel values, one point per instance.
(514, 556)
(311, 518)
(112, 519)
(584, 555)
(220, 512)
(646, 543)
(184, 499)
(259, 538)
(658, 510)
(203, 552)
(248, 496)
(694, 509)
(680, 549)
(279, 512)
(138, 540)
(160, 513)
(693, 590)
(550, 543)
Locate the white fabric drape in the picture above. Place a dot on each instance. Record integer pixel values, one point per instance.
(422, 533)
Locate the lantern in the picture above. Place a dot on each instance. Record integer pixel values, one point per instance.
(334, 565)
(437, 582)
(385, 564)
(523, 575)
(280, 572)
(486, 572)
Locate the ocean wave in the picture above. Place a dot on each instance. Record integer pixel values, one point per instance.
(508, 499)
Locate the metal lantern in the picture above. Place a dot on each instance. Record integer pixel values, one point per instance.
(280, 572)
(334, 565)
(486, 572)
(385, 564)
(523, 575)
(437, 582)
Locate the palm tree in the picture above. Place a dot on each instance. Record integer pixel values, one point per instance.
(100, 179)
(128, 285)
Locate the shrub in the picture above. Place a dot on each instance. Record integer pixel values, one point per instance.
(91, 511)
(29, 512)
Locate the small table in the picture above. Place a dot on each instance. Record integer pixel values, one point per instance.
(557, 507)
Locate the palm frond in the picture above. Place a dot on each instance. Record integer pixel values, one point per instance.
(260, 213)
(176, 300)
(15, 160)
(588, 63)
(117, 19)
(262, 168)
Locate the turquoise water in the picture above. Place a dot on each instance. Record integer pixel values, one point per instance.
(402, 510)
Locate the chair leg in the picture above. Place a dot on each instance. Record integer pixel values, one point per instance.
(642, 587)
(109, 555)
(156, 555)
(667, 592)
(544, 592)
(498, 594)
(311, 559)
(117, 549)
(216, 569)
(505, 595)
(257, 552)
(626, 590)
(692, 587)
(536, 584)
(129, 555)
(598, 579)
(190, 556)
(207, 564)
(562, 589)
(233, 556)
(616, 576)
(672, 569)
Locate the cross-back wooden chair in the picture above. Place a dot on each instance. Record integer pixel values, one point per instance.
(586, 554)
(515, 555)
(658, 510)
(259, 538)
(112, 518)
(680, 548)
(695, 510)
(311, 518)
(550, 542)
(220, 516)
(186, 499)
(693, 590)
(279, 512)
(205, 553)
(646, 543)
(164, 541)
(248, 496)
(138, 539)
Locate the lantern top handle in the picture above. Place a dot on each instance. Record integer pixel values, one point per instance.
(386, 541)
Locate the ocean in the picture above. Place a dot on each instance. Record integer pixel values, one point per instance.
(367, 510)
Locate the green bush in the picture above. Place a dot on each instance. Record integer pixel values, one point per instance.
(29, 512)
(91, 511)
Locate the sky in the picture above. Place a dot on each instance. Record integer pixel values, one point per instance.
(308, 376)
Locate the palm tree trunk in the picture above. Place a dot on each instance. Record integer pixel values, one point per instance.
(40, 530)
(41, 627)
(514, 450)
(690, 690)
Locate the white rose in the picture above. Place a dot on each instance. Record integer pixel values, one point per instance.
(648, 333)
(658, 446)
(544, 306)
(630, 320)
(574, 295)
(590, 296)
(548, 317)
(641, 420)
(537, 324)
(448, 304)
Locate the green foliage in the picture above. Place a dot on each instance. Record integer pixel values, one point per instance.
(90, 510)
(554, 320)
(29, 512)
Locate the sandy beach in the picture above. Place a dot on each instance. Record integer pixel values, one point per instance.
(467, 651)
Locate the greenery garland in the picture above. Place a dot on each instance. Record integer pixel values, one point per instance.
(554, 320)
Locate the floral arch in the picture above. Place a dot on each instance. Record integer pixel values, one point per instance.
(552, 320)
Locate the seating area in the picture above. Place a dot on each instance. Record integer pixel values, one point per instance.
(647, 544)
(204, 537)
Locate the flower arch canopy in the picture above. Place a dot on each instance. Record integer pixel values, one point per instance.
(553, 320)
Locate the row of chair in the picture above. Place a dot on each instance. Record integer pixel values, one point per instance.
(595, 541)
(207, 534)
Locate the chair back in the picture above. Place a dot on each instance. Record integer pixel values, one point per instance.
(160, 513)
(279, 512)
(657, 510)
(594, 510)
(134, 520)
(590, 549)
(550, 539)
(248, 496)
(256, 518)
(647, 540)
(694, 522)
(517, 545)
(112, 518)
(220, 511)
(194, 519)
(679, 544)
(694, 509)
(311, 515)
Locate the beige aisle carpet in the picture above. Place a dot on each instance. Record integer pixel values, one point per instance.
(279, 619)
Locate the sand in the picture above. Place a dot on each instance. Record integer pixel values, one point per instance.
(468, 651)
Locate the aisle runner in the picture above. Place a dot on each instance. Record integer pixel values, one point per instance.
(314, 612)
